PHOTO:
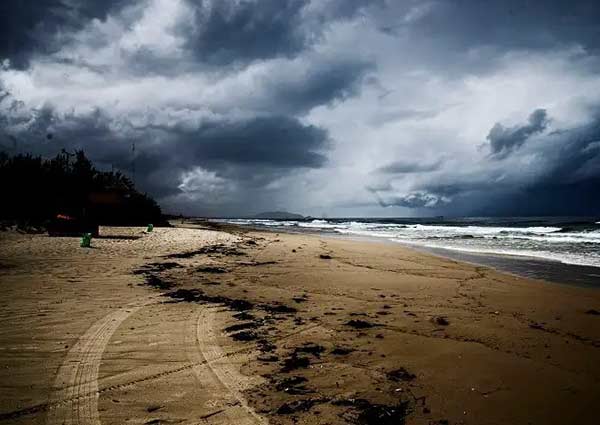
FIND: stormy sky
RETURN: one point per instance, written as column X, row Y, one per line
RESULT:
column 335, row 107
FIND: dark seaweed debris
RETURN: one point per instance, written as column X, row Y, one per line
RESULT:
column 196, row 295
column 156, row 282
column 299, row 405
column 244, row 315
column 442, row 321
column 278, row 308
column 593, row 312
column 211, row 249
column 401, row 375
column 293, row 385
column 325, row 257
column 242, row 327
column 380, row 414
column 341, row 351
column 266, row 346
column 310, row 348
column 244, row 336
column 360, row 324
column 366, row 413
column 300, row 299
column 211, row 269
column 295, row 362
column 157, row 267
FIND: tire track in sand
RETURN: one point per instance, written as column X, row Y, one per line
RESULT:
column 215, row 367
column 75, row 395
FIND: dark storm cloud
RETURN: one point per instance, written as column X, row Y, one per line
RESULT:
column 226, row 32
column 28, row 26
column 321, row 84
column 278, row 142
column 403, row 167
column 250, row 152
column 510, row 24
column 564, row 179
column 505, row 140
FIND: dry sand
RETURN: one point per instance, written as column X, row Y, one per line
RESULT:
column 249, row 327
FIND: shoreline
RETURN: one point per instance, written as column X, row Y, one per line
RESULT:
column 548, row 270
column 236, row 326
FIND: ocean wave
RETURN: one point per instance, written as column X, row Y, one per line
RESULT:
column 565, row 258
column 572, row 243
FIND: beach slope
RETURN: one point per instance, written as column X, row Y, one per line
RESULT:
column 204, row 325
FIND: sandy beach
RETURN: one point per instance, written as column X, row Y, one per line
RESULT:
column 202, row 325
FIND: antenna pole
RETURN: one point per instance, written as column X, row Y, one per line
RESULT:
column 133, row 162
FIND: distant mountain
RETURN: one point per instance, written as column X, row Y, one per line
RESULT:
column 279, row 215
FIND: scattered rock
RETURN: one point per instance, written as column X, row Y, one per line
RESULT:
column 593, row 312
column 325, row 257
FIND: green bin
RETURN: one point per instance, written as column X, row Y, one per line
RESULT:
column 150, row 228
column 86, row 240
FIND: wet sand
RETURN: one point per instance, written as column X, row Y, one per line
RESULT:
column 193, row 325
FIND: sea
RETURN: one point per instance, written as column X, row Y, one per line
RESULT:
column 561, row 249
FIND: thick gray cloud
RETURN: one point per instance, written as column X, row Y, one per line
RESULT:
column 504, row 140
column 344, row 107
column 559, row 174
column 510, row 24
column 248, row 152
column 227, row 32
column 28, row 26
column 403, row 167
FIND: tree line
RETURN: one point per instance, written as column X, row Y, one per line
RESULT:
column 36, row 190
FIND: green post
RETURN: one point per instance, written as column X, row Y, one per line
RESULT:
column 86, row 240
column 150, row 228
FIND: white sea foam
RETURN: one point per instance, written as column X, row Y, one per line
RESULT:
column 565, row 258
column 543, row 242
